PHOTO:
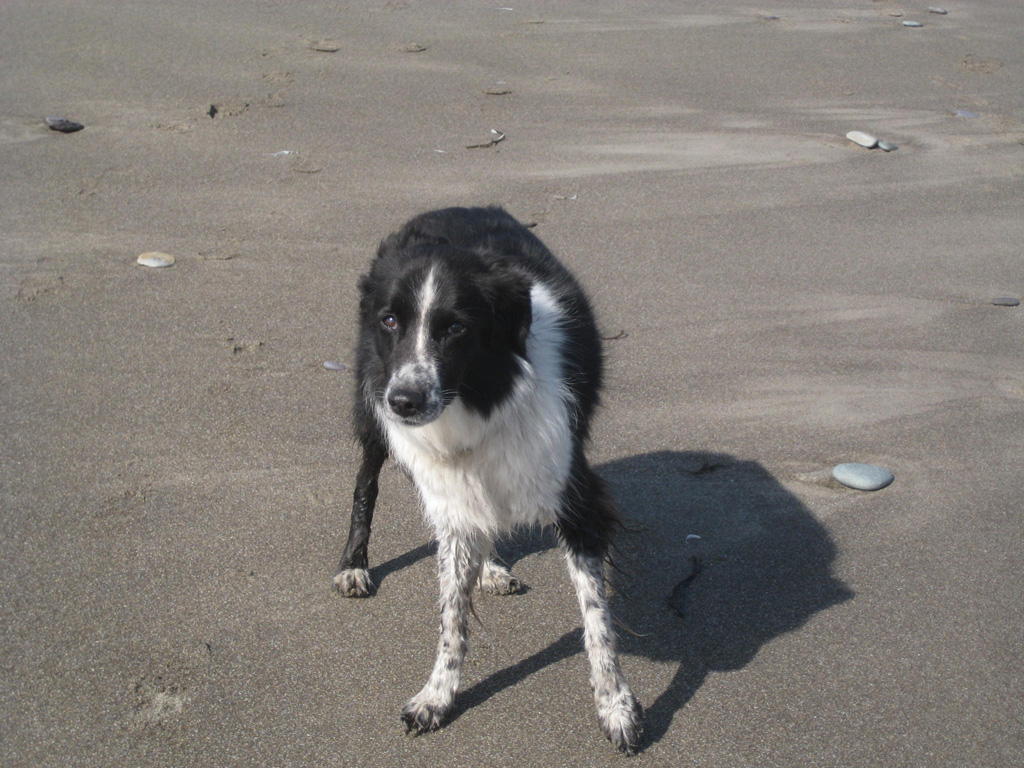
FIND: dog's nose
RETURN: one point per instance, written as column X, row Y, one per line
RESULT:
column 407, row 402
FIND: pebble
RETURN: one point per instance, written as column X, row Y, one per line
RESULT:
column 692, row 538
column 325, row 46
column 966, row 113
column 1006, row 301
column 912, row 24
column 332, row 366
column 155, row 259
column 63, row 125
column 863, row 477
column 887, row 146
column 940, row 11
column 864, row 139
column 496, row 136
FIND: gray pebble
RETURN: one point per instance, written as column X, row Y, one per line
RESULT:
column 887, row 146
column 1006, row 301
column 863, row 477
column 692, row 538
column 966, row 113
column 331, row 366
column 940, row 11
column 912, row 24
column 63, row 125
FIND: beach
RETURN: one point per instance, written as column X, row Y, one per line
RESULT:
column 177, row 466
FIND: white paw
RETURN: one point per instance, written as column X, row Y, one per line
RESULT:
column 622, row 720
column 426, row 711
column 354, row 582
column 498, row 580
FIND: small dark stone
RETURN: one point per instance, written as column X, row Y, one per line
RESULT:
column 63, row 125
column 1006, row 301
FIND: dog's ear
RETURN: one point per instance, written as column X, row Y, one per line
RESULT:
column 366, row 296
column 508, row 293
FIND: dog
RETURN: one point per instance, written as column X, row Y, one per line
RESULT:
column 479, row 368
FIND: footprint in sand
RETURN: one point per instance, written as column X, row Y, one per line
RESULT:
column 980, row 66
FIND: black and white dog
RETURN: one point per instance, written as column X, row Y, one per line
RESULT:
column 479, row 366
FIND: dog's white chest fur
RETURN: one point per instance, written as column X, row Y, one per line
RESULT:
column 485, row 475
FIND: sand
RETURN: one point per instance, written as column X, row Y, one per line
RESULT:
column 175, row 466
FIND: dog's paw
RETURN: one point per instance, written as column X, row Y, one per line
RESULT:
column 622, row 720
column 423, row 714
column 497, row 580
column 354, row 582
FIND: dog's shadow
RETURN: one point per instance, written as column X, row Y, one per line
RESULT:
column 717, row 558
column 762, row 566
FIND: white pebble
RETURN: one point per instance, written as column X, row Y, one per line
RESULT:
column 887, row 146
column 863, row 477
column 912, row 24
column 332, row 366
column 864, row 139
column 155, row 259
column 692, row 538
column 940, row 11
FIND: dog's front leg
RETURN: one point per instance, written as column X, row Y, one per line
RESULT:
column 353, row 578
column 618, row 712
column 458, row 562
column 585, row 529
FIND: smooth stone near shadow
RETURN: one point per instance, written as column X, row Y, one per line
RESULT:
column 887, row 146
column 1006, row 301
column 912, row 24
column 862, row 477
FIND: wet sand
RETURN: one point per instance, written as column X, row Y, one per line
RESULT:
column 175, row 466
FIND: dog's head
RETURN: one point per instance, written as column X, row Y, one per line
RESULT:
column 442, row 323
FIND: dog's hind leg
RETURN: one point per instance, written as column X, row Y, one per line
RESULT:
column 458, row 563
column 585, row 529
column 353, row 576
column 496, row 578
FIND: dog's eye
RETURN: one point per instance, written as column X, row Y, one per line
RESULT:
column 455, row 328
column 390, row 322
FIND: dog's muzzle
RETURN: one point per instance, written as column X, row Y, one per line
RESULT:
column 414, row 398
